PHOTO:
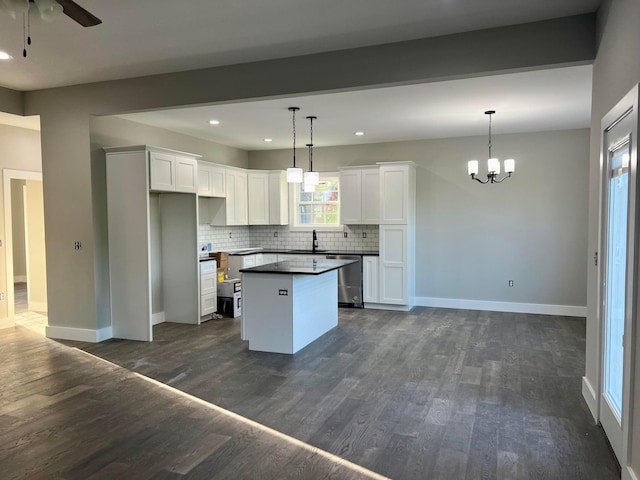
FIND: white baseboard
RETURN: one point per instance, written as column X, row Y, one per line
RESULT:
column 589, row 395
column 19, row 279
column 629, row 474
column 537, row 308
column 157, row 318
column 7, row 323
column 386, row 306
column 37, row 306
column 79, row 334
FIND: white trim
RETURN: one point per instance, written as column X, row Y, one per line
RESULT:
column 386, row 306
column 38, row 306
column 19, row 279
column 7, row 323
column 537, row 308
column 157, row 318
column 79, row 334
column 7, row 175
column 589, row 395
column 628, row 474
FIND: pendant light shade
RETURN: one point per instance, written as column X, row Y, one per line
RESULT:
column 294, row 174
column 311, row 178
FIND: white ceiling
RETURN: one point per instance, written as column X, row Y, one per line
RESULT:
column 543, row 100
column 157, row 36
column 144, row 37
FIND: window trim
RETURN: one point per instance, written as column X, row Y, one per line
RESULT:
column 293, row 208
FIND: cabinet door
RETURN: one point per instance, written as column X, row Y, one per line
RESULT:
column 186, row 174
column 370, row 279
column 162, row 172
column 258, row 197
column 393, row 265
column 208, row 303
column 217, row 181
column 208, row 283
column 371, row 196
column 230, row 204
column 351, row 197
column 239, row 214
column 204, row 180
column 394, row 194
column 278, row 199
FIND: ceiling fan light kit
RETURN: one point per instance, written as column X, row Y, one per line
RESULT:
column 48, row 10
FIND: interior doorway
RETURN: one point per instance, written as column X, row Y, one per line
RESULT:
column 25, row 246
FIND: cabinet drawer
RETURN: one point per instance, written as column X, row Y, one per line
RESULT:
column 208, row 303
column 208, row 283
column 208, row 267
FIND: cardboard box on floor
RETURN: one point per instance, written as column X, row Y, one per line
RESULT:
column 222, row 259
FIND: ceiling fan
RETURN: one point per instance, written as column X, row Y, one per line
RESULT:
column 47, row 10
column 50, row 9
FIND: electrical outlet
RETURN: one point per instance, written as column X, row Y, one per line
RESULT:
column 77, row 245
column 283, row 292
column 364, row 234
column 275, row 234
column 230, row 234
column 345, row 234
column 511, row 283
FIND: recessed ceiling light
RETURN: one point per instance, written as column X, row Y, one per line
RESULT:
column 268, row 139
column 359, row 134
column 5, row 56
column 214, row 122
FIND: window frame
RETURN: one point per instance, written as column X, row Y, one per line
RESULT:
column 294, row 203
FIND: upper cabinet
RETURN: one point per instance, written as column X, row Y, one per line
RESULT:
column 236, row 204
column 268, row 198
column 360, row 196
column 397, row 193
column 211, row 180
column 172, row 171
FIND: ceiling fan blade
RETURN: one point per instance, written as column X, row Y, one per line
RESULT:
column 74, row 11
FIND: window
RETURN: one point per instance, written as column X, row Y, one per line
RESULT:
column 319, row 209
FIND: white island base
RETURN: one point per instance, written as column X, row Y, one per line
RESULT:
column 283, row 313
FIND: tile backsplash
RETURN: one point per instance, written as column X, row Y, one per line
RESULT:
column 359, row 238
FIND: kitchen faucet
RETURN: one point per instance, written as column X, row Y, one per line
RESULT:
column 315, row 242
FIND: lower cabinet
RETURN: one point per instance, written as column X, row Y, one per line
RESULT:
column 370, row 279
column 208, row 287
column 394, row 271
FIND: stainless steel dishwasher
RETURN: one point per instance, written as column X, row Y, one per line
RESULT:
column 349, row 281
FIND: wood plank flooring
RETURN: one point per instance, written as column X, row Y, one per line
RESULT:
column 429, row 394
column 68, row 415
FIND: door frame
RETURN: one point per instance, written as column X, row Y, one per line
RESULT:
column 7, row 176
column 628, row 103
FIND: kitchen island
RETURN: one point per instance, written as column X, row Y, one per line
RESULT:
column 288, row 305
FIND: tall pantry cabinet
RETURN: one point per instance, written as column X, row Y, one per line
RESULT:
column 397, row 233
column 152, row 214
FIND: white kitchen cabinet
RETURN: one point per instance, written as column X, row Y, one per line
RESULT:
column 258, row 197
column 172, row 172
column 370, row 279
column 393, row 264
column 268, row 198
column 211, row 180
column 397, row 180
column 208, row 287
column 231, row 210
column 360, row 196
column 278, row 198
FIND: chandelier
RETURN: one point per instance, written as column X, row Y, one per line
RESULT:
column 493, row 164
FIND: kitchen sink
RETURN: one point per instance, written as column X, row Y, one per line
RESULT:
column 307, row 251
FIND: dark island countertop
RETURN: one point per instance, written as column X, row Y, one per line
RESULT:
column 305, row 266
column 253, row 251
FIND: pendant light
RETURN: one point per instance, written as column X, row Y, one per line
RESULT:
column 294, row 174
column 493, row 164
column 311, row 178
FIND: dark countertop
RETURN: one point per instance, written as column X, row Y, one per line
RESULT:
column 306, row 252
column 305, row 266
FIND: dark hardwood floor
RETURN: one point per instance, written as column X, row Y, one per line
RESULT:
column 429, row 394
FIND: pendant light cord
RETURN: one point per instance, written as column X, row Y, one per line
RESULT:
column 311, row 144
column 490, row 136
column 293, row 109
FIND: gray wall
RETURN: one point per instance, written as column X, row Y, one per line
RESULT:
column 615, row 71
column 472, row 238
